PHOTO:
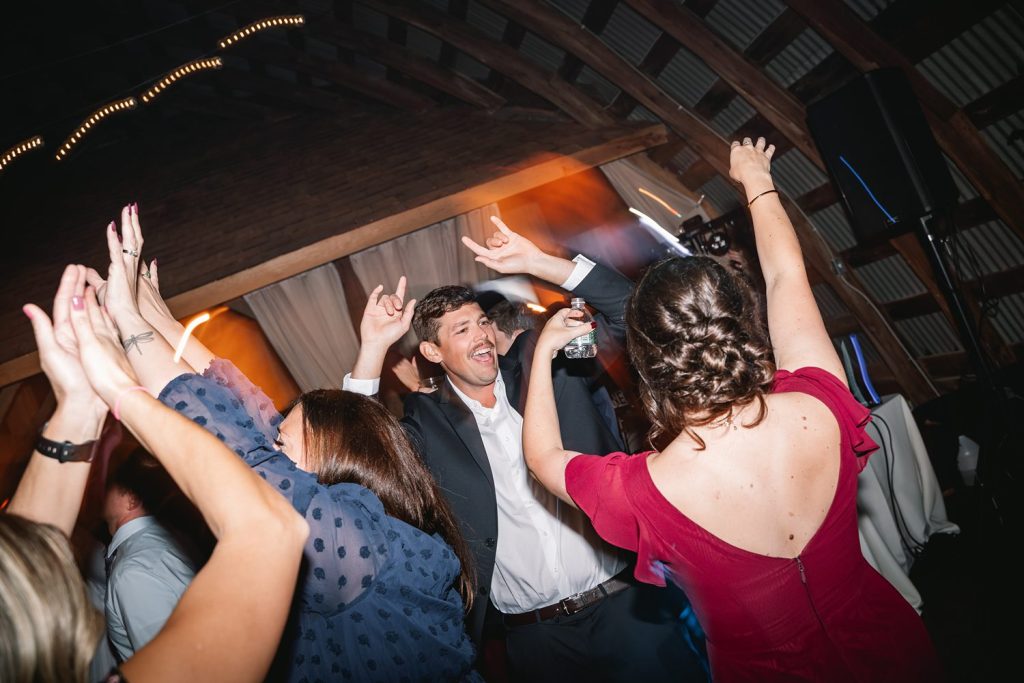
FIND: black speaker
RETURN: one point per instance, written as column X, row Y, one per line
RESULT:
column 881, row 155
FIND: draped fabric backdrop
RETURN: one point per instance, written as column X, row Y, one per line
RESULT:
column 307, row 321
column 306, row 317
column 429, row 258
column 627, row 178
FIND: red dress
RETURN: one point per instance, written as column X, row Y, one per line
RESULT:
column 825, row 615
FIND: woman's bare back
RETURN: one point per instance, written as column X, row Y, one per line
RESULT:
column 764, row 489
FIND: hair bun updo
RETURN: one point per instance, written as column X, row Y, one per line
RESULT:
column 693, row 337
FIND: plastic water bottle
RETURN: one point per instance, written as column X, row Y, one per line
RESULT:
column 585, row 346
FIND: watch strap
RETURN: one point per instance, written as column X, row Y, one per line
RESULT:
column 65, row 451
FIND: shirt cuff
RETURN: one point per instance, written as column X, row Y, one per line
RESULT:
column 366, row 387
column 579, row 272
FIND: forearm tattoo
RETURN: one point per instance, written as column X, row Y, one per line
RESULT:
column 137, row 340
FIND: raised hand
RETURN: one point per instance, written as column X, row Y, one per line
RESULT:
column 122, row 277
column 99, row 350
column 750, row 163
column 58, row 345
column 407, row 373
column 561, row 329
column 387, row 317
column 151, row 302
column 506, row 251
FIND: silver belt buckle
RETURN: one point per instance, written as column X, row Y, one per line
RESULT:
column 573, row 604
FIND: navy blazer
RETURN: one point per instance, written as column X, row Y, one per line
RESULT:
column 445, row 433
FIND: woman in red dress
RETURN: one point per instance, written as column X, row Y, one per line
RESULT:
column 751, row 507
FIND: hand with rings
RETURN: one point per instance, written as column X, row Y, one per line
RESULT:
column 122, row 285
column 750, row 164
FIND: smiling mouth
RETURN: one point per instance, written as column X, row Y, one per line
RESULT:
column 483, row 353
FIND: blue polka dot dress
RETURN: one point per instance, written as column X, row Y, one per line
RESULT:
column 376, row 599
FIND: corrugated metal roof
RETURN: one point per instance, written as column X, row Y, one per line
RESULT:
column 1009, row 318
column 606, row 90
column 542, row 52
column 733, row 116
column 422, row 43
column 829, row 303
column 795, row 173
column 889, row 279
column 990, row 248
column 721, row 194
column 832, row 223
column 928, row 335
column 740, row 21
column 798, row 57
column 687, row 77
column 868, row 9
column 685, row 158
column 470, row 67
column 641, row 113
column 574, row 8
column 486, row 20
column 629, row 34
column 999, row 136
column 981, row 58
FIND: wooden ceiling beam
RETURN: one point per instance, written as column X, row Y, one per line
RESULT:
column 953, row 130
column 653, row 63
column 499, row 57
column 512, row 36
column 997, row 104
column 778, row 106
column 292, row 94
column 817, row 199
column 339, row 73
column 562, row 31
column 775, row 37
column 601, row 147
column 401, row 59
column 594, row 19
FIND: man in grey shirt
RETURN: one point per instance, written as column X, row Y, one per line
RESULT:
column 147, row 568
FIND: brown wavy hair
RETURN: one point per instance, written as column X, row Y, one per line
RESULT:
column 351, row 438
column 48, row 627
column 693, row 336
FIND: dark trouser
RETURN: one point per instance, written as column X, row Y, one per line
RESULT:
column 634, row 635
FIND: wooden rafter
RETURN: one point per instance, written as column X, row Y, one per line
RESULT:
column 497, row 56
column 333, row 71
column 778, row 106
column 997, row 104
column 953, row 129
column 396, row 57
column 594, row 19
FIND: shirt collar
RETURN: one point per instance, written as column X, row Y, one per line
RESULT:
column 474, row 405
column 128, row 530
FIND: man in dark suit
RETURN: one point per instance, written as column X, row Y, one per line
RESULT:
column 570, row 610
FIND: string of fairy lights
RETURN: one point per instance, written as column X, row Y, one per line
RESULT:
column 129, row 103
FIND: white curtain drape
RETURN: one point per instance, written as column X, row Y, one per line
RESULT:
column 429, row 258
column 627, row 179
column 307, row 321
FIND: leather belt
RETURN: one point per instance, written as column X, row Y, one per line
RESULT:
column 568, row 606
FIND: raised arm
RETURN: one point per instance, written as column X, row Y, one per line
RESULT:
column 251, row 575
column 797, row 331
column 386, row 319
column 510, row 253
column 50, row 491
column 542, row 439
column 149, row 352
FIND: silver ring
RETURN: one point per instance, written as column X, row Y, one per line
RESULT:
column 130, row 252
column 147, row 275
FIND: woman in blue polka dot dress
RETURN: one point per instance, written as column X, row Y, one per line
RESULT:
column 383, row 580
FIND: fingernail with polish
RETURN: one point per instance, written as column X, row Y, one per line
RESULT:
column 593, row 326
column 77, row 303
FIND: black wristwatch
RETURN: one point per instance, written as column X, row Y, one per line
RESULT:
column 65, row 451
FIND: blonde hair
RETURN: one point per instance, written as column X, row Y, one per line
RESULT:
column 48, row 627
